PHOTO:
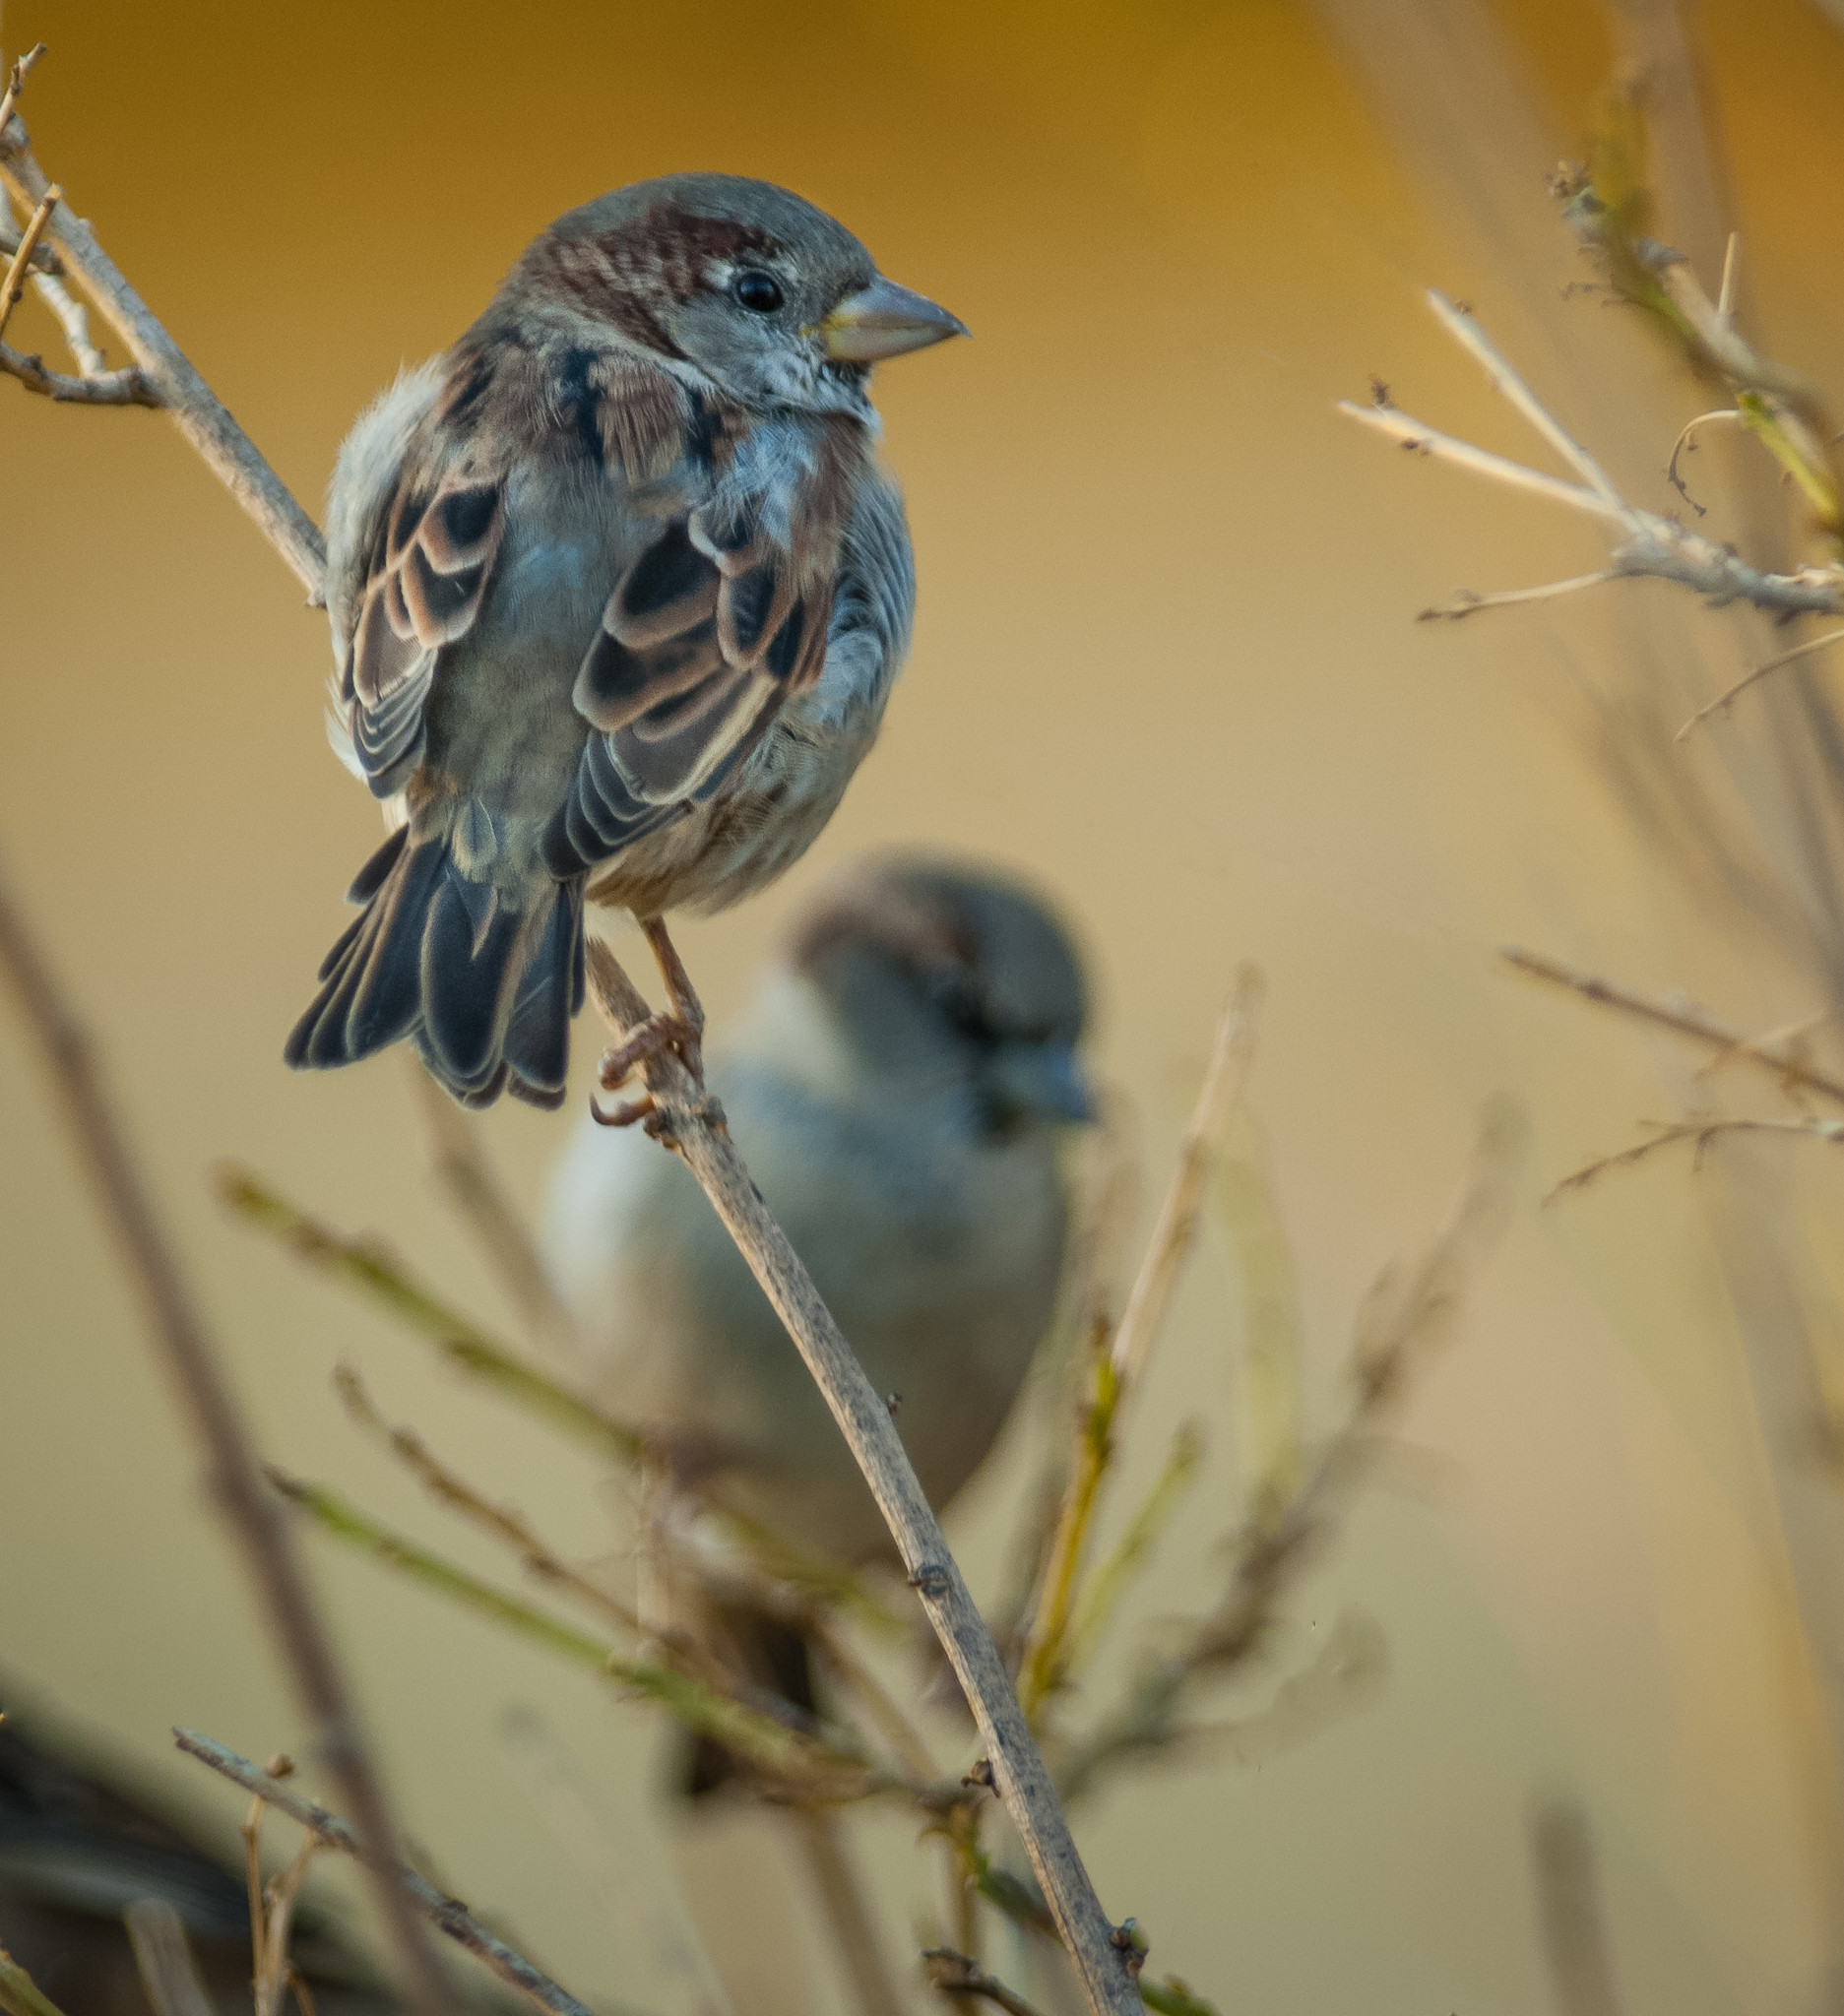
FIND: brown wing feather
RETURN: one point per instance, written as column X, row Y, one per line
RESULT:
column 427, row 579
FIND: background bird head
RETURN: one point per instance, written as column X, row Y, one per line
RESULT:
column 733, row 281
column 932, row 970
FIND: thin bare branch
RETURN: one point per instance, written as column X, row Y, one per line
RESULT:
column 164, row 1958
column 1466, row 332
column 1421, row 439
column 449, row 1916
column 1702, row 1133
column 1683, row 442
column 690, row 1121
column 14, row 285
column 1654, row 546
column 127, row 387
column 1682, row 1018
column 1722, row 701
column 965, row 1980
column 1224, row 1078
column 232, row 1477
column 1725, row 298
column 16, row 83
column 170, row 374
column 1469, row 603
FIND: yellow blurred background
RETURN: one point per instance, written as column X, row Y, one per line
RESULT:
column 1165, row 664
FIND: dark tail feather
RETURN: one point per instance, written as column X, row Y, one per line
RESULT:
column 484, row 989
column 778, row 1663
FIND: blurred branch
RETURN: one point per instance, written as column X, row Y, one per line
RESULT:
column 1682, row 1018
column 802, row 1761
column 690, row 1121
column 1118, row 1363
column 232, row 1477
column 1407, row 1315
column 20, row 1995
column 1175, row 1997
column 462, row 1169
column 446, row 1913
column 368, row 1266
column 1702, row 1132
column 965, row 1980
column 165, row 376
column 1653, row 545
column 1569, row 1904
column 164, row 1958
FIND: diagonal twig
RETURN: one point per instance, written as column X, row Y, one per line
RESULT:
column 447, row 1914
column 1684, row 1018
column 232, row 1477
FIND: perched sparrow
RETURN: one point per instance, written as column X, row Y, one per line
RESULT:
column 897, row 1088
column 618, row 588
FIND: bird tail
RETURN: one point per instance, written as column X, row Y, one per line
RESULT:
column 483, row 978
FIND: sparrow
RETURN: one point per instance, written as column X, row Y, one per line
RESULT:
column 901, row 1088
column 618, row 586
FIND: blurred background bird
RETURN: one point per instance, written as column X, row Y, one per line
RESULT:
column 900, row 1088
column 617, row 588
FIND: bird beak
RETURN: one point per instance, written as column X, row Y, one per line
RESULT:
column 883, row 320
column 1042, row 1078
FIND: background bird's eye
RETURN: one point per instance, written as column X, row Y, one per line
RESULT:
column 758, row 291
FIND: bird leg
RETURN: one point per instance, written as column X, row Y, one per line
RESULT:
column 677, row 1027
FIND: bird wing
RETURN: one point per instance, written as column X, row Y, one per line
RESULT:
column 431, row 559
column 713, row 627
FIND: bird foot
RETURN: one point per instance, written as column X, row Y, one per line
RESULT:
column 678, row 1027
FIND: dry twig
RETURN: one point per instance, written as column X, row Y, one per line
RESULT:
column 1651, row 544
column 1682, row 1018
column 232, row 1477
column 449, row 1916
column 1702, row 1133
column 965, row 1980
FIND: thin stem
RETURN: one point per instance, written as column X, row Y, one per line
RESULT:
column 14, row 285
column 965, row 1980
column 232, row 1477
column 1681, row 1018
column 1467, row 333
column 1702, row 1133
column 446, row 1913
column 1421, row 439
column 692, row 1123
column 1773, row 664
column 1469, row 604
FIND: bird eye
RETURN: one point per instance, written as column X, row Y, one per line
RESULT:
column 758, row 291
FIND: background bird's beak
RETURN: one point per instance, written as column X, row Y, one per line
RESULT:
column 1047, row 1078
column 883, row 320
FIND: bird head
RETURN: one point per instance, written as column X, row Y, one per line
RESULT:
column 733, row 281
column 932, row 967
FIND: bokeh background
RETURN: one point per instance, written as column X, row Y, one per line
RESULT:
column 1165, row 664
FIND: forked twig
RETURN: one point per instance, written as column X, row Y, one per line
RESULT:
column 1653, row 545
